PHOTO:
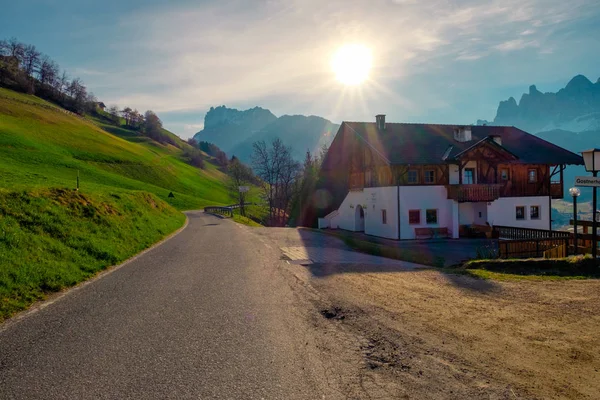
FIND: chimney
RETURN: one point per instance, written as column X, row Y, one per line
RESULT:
column 380, row 119
column 497, row 139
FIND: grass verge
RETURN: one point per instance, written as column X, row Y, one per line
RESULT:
column 574, row 267
column 51, row 239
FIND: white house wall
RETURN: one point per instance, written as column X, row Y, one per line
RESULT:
column 503, row 212
column 373, row 201
column 346, row 212
column 378, row 199
column 450, row 213
column 423, row 198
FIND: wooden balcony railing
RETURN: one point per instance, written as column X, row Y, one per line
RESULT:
column 479, row 192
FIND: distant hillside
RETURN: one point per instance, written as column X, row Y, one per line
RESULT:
column 235, row 131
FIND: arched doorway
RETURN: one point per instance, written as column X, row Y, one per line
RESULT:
column 359, row 219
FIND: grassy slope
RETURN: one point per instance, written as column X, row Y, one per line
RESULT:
column 51, row 239
column 41, row 148
column 51, row 236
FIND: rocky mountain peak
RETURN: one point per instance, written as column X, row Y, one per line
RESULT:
column 533, row 90
column 579, row 83
column 577, row 104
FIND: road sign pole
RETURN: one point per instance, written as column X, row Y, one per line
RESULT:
column 594, row 223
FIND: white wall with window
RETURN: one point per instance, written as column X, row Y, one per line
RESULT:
column 381, row 213
column 522, row 212
column 417, row 203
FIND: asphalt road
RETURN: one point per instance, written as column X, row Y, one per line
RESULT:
column 205, row 315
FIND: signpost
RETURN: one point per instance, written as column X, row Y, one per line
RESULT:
column 587, row 181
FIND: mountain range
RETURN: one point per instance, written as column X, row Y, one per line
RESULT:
column 235, row 131
column 574, row 108
column 569, row 118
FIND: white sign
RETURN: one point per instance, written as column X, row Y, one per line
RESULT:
column 587, row 181
column 597, row 216
column 244, row 189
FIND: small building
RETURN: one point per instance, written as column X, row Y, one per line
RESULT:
column 101, row 105
column 394, row 179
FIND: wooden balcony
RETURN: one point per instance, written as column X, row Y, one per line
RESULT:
column 474, row 193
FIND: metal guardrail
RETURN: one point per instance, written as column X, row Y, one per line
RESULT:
column 226, row 211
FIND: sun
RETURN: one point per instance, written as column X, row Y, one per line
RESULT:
column 351, row 64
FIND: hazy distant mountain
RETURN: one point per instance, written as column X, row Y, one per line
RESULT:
column 226, row 127
column 574, row 108
column 569, row 118
column 235, row 131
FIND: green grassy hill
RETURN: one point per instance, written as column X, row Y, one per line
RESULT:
column 51, row 236
column 41, row 146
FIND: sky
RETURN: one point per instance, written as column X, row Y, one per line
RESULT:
column 438, row 61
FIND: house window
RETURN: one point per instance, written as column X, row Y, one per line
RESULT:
column 431, row 216
column 534, row 212
column 504, row 174
column 520, row 212
column 429, row 176
column 532, row 175
column 413, row 176
column 414, row 217
column 384, row 217
column 469, row 176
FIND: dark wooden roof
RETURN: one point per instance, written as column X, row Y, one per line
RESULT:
column 403, row 143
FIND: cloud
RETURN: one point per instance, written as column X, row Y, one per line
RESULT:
column 516, row 44
column 83, row 72
column 191, row 56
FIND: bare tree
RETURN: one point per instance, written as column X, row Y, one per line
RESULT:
column 239, row 175
column 48, row 72
column 4, row 48
column 31, row 59
column 63, row 82
column 114, row 112
column 126, row 113
column 136, row 119
column 78, row 93
column 278, row 172
column 16, row 49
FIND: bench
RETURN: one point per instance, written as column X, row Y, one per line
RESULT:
column 430, row 233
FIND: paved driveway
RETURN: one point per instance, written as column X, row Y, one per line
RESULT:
column 331, row 255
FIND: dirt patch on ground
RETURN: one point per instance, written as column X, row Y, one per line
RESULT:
column 428, row 334
column 425, row 334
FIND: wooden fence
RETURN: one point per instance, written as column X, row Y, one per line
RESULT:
column 532, row 248
column 514, row 233
column 556, row 252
